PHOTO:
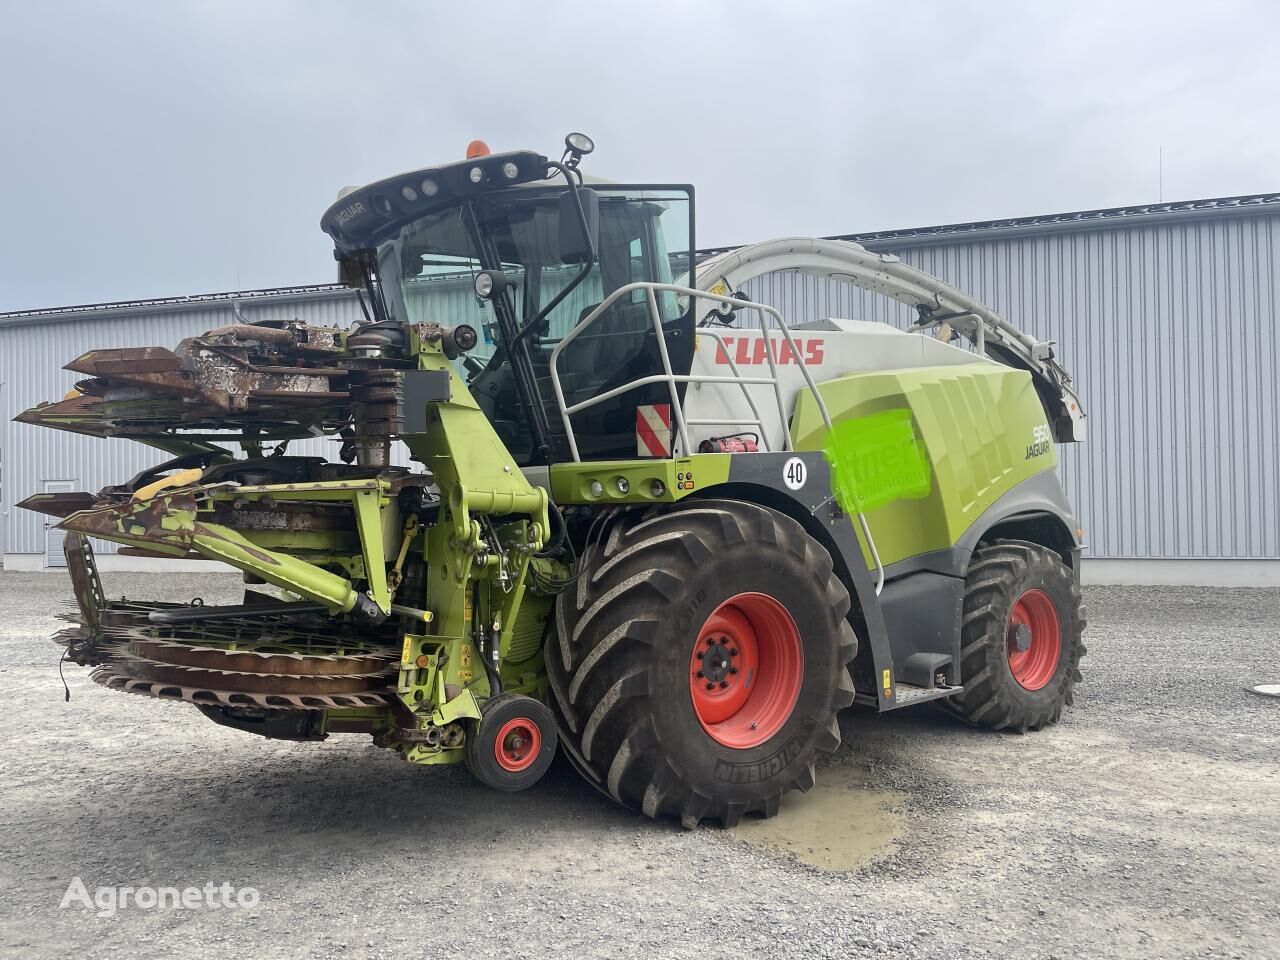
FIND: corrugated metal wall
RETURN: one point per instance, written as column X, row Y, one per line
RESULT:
column 1170, row 330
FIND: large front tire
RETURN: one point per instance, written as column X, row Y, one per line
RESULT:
column 698, row 663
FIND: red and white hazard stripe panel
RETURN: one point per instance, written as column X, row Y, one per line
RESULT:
column 653, row 430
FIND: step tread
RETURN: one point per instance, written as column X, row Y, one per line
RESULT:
column 907, row 694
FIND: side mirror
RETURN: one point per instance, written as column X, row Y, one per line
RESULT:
column 410, row 262
column 575, row 246
column 350, row 273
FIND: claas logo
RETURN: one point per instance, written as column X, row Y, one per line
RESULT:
column 748, row 351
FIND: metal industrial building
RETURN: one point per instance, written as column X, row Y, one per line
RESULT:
column 1166, row 315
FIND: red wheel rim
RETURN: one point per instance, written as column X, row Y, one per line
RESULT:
column 518, row 744
column 745, row 670
column 1034, row 640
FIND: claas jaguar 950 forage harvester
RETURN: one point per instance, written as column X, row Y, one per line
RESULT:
column 584, row 495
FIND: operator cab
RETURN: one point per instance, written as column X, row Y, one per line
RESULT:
column 523, row 249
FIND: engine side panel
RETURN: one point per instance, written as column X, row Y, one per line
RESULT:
column 981, row 429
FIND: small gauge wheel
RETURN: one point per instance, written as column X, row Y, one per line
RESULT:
column 513, row 743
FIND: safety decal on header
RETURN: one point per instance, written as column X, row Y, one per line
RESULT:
column 653, row 430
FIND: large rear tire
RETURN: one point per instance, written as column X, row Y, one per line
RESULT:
column 1022, row 638
column 698, row 663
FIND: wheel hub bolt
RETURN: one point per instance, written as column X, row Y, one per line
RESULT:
column 701, row 654
column 700, row 673
column 733, row 652
column 710, row 685
column 733, row 669
column 1022, row 637
column 724, row 684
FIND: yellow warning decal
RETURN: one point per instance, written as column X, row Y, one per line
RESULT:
column 720, row 288
column 407, row 650
column 464, row 663
column 466, row 605
column 888, row 684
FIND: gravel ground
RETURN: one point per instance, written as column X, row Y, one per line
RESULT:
column 1144, row 825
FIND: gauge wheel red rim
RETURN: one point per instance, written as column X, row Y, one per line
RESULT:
column 745, row 670
column 1034, row 640
column 518, row 744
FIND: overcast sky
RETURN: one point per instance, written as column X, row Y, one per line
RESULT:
column 164, row 148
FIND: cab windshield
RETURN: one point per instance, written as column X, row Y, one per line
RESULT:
column 426, row 273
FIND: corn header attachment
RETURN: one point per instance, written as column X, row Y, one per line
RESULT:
column 354, row 626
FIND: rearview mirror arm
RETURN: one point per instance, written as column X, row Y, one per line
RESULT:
column 573, row 177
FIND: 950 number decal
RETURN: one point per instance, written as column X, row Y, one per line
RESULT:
column 1040, row 442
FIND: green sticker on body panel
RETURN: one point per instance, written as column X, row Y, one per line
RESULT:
column 876, row 460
